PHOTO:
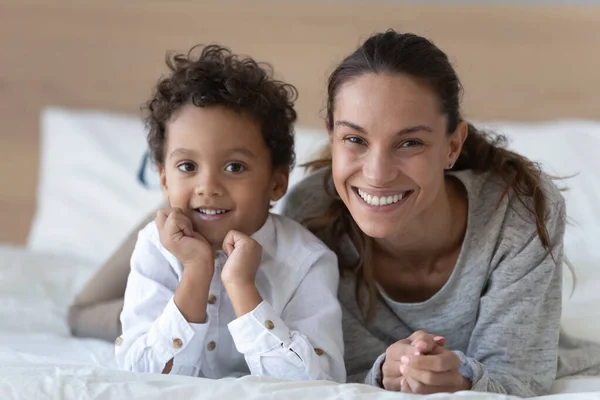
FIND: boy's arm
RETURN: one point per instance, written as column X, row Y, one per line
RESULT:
column 154, row 329
column 306, row 342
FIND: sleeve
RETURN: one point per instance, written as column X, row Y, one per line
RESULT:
column 154, row 330
column 514, row 345
column 306, row 342
column 375, row 376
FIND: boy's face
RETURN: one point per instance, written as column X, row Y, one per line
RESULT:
column 217, row 169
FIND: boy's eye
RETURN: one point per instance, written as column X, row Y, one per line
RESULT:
column 235, row 168
column 187, row 167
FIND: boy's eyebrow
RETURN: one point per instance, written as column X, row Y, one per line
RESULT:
column 181, row 151
column 243, row 151
column 186, row 152
column 411, row 129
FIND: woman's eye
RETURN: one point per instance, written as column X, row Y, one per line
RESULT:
column 410, row 143
column 235, row 168
column 354, row 140
column 186, row 167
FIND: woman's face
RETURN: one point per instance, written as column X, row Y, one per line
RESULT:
column 390, row 148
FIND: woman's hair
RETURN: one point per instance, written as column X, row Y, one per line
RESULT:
column 218, row 77
column 405, row 53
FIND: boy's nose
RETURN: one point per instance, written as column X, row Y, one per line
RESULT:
column 209, row 185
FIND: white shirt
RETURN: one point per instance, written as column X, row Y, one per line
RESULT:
column 295, row 333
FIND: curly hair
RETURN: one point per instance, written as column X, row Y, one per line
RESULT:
column 219, row 77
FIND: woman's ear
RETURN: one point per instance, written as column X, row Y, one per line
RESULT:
column 279, row 183
column 456, row 141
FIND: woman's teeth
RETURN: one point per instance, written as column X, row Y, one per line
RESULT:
column 379, row 201
column 211, row 212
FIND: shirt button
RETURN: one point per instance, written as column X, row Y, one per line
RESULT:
column 211, row 346
column 269, row 324
column 319, row 351
column 177, row 343
column 212, row 299
column 119, row 341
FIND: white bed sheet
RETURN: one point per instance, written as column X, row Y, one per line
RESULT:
column 39, row 360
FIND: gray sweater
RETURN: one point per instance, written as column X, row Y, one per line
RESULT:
column 499, row 310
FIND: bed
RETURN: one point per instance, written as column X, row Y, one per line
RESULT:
column 72, row 76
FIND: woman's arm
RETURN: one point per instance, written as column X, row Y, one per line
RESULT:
column 96, row 309
column 513, row 347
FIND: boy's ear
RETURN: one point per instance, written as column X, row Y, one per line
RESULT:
column 163, row 183
column 280, row 181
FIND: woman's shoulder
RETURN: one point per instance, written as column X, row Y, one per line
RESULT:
column 309, row 197
column 506, row 217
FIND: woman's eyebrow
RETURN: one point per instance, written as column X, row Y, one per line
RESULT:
column 404, row 131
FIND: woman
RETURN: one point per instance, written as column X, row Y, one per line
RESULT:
column 450, row 246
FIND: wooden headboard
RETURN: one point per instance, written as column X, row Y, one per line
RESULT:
column 516, row 62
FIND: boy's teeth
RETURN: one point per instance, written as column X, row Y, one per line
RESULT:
column 212, row 212
column 380, row 201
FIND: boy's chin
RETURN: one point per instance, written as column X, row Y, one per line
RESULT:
column 215, row 241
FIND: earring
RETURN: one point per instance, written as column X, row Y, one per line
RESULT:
column 450, row 166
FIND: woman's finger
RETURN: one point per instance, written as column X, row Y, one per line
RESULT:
column 444, row 361
column 430, row 378
column 399, row 349
column 423, row 342
column 412, row 385
column 392, row 384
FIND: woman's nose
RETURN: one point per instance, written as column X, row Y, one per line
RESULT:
column 378, row 169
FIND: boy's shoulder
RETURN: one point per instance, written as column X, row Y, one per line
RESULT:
column 149, row 246
column 294, row 245
column 149, row 233
column 290, row 252
column 290, row 234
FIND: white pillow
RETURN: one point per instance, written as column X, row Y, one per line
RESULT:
column 567, row 148
column 90, row 195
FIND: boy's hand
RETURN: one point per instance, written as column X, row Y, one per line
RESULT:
column 239, row 272
column 178, row 236
column 243, row 259
column 195, row 253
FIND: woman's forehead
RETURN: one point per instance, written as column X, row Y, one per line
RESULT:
column 385, row 98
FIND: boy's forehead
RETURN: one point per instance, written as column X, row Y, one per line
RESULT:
column 215, row 116
column 214, row 128
column 207, row 145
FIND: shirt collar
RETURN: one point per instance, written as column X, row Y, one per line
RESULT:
column 264, row 236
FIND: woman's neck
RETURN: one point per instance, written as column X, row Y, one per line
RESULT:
column 437, row 232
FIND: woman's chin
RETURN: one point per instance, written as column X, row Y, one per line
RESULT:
column 377, row 229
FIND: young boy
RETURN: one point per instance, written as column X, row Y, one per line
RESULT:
column 219, row 286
